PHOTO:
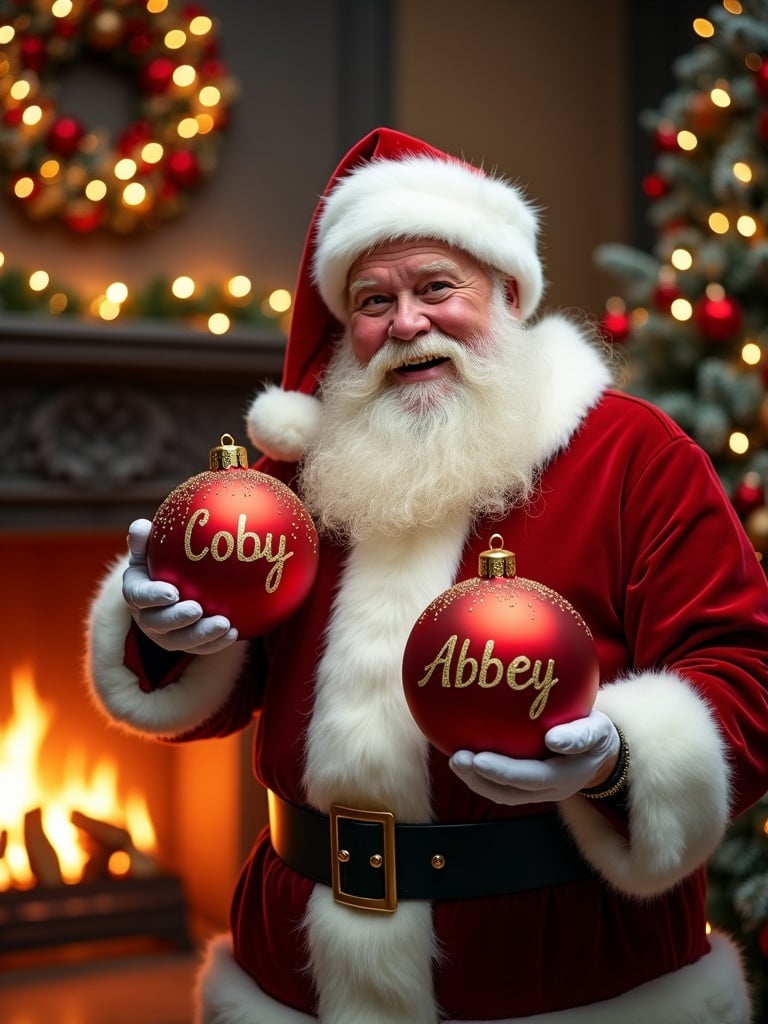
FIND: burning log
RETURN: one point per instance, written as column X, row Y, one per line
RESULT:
column 102, row 840
column 3, row 841
column 43, row 860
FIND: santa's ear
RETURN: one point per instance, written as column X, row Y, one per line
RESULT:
column 512, row 293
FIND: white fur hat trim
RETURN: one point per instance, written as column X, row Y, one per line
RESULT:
column 424, row 197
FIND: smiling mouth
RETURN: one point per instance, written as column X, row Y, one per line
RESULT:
column 424, row 364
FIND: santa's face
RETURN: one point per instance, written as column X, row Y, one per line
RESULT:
column 402, row 291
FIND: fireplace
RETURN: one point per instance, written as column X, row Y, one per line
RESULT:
column 99, row 423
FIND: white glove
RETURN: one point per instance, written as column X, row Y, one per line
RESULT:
column 582, row 747
column 172, row 624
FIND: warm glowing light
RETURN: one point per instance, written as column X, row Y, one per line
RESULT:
column 117, row 292
column 738, row 443
column 39, row 280
column 125, row 168
column 239, row 286
column 119, row 863
column 742, row 172
column 218, row 323
column 205, row 123
column 209, row 96
column 156, row 6
column 188, row 128
column 715, row 292
column 703, row 27
column 134, row 194
column 108, row 310
column 733, row 6
column 718, row 223
column 183, row 287
column 751, row 353
column 58, row 302
column 638, row 317
column 687, row 140
column 175, row 39
column 61, row 8
column 49, row 168
column 20, row 89
column 25, row 788
column 152, row 153
column 2, row 259
column 720, row 97
column 184, row 75
column 200, row 25
column 746, row 225
column 681, row 259
column 681, row 310
column 7, row 32
column 280, row 300
column 24, row 187
column 753, row 61
column 32, row 115
column 95, row 190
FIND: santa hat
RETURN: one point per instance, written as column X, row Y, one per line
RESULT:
column 389, row 186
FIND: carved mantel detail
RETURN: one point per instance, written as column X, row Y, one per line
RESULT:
column 99, row 423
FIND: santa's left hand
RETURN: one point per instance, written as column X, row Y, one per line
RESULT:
column 586, row 753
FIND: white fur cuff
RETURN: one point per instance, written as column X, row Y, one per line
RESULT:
column 183, row 705
column 679, row 786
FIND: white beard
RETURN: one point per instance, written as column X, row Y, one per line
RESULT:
column 391, row 457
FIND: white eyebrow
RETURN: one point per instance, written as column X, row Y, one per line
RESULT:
column 436, row 265
column 360, row 284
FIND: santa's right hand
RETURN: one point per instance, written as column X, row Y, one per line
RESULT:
column 170, row 623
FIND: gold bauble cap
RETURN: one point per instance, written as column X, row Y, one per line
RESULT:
column 496, row 561
column 228, row 455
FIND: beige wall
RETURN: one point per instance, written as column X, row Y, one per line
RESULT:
column 537, row 91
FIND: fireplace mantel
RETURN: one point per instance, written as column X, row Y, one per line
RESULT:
column 99, row 422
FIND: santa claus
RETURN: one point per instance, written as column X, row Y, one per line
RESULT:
column 423, row 407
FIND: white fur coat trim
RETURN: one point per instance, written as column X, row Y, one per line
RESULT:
column 679, row 790
column 711, row 991
column 572, row 376
column 168, row 712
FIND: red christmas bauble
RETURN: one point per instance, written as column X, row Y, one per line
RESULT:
column 748, row 495
column 157, row 75
column 616, row 325
column 64, row 136
column 761, row 79
column 665, row 138
column 496, row 661
column 238, row 541
column 655, row 186
column 182, row 168
column 664, row 294
column 718, row 319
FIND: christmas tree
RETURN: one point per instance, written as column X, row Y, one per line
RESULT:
column 693, row 314
column 693, row 319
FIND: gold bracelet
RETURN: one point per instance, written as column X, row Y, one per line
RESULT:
column 618, row 778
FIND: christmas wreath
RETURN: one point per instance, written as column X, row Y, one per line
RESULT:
column 57, row 167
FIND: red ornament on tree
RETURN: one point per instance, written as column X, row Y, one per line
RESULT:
column 238, row 541
column 761, row 79
column 717, row 316
column 665, row 138
column 615, row 321
column 748, row 495
column 496, row 661
column 157, row 75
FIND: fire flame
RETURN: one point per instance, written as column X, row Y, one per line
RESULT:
column 22, row 789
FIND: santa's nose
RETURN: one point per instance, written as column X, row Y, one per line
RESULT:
column 409, row 321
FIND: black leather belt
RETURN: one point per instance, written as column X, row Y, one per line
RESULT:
column 370, row 862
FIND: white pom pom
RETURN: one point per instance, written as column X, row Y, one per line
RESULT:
column 282, row 423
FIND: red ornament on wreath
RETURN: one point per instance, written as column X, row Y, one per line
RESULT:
column 237, row 541
column 748, row 494
column 64, row 136
column 496, row 661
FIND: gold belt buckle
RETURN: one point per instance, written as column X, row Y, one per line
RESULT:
column 387, row 903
